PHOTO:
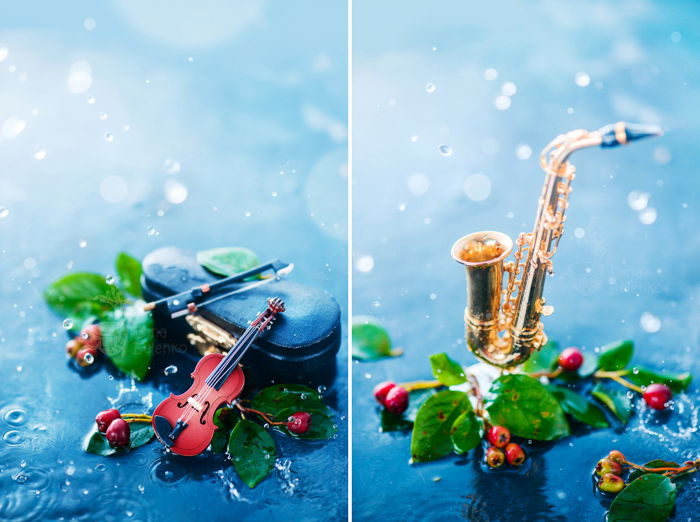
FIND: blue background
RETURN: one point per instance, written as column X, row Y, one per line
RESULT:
column 635, row 61
column 131, row 125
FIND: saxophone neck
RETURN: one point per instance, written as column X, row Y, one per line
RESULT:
column 558, row 151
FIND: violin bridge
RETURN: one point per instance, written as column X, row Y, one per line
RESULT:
column 195, row 404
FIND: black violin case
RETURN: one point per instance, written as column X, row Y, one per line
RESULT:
column 300, row 347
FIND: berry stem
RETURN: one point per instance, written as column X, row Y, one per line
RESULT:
column 616, row 376
column 689, row 467
column 264, row 415
column 421, row 385
column 549, row 375
column 136, row 417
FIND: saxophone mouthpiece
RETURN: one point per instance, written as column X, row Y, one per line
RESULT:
column 621, row 133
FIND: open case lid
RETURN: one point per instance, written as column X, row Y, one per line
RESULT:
column 310, row 322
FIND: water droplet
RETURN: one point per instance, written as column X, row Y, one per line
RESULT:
column 91, row 100
column 430, row 88
column 509, row 89
column 662, row 155
column 523, row 151
column 79, row 77
column 171, row 166
column 477, row 187
column 40, row 154
column 321, row 389
column 445, row 150
column 650, row 323
column 82, row 243
column 100, row 467
column 109, row 136
column 4, row 51
column 170, row 370
column 582, row 79
column 637, row 200
column 175, row 192
column 647, row 216
column 418, row 183
column 141, row 488
column 501, row 102
column 4, row 212
column 490, row 74
column 433, row 296
column 89, row 24
column 110, row 279
column 12, row 127
column 103, row 116
column 21, row 478
column 67, row 324
column 364, row 263
column 579, row 233
column 151, row 230
column 635, row 371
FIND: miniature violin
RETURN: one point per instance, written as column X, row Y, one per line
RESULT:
column 185, row 423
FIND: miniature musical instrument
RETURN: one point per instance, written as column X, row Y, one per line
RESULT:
column 185, row 423
column 503, row 324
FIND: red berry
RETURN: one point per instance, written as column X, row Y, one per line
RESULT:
column 515, row 454
column 381, row 389
column 105, row 418
column 299, row 422
column 657, row 396
column 571, row 359
column 73, row 346
column 396, row 400
column 617, row 456
column 118, row 433
column 91, row 336
column 498, row 436
column 611, row 483
column 605, row 466
column 495, row 458
column 86, row 356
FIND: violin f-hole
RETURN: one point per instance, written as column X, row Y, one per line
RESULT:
column 202, row 420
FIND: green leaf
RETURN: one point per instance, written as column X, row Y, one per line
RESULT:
column 446, row 370
column 81, row 295
column 543, row 360
column 579, row 408
column 225, row 419
column 649, row 498
column 95, row 442
column 524, row 406
column 590, row 364
column 431, row 438
column 322, row 425
column 644, row 377
column 616, row 401
column 129, row 272
column 616, row 356
column 228, row 261
column 466, row 432
column 370, row 340
column 679, row 480
column 252, row 452
column 127, row 338
column 278, row 397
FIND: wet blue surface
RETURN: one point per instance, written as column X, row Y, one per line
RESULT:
column 638, row 62
column 126, row 126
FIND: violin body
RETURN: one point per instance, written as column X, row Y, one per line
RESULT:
column 196, row 407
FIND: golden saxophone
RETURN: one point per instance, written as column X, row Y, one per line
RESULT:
column 503, row 324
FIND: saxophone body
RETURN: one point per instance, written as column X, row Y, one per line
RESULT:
column 505, row 300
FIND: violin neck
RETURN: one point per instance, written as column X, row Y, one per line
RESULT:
column 224, row 369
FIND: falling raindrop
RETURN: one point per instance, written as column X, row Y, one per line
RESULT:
column 445, row 150
column 4, row 212
column 582, row 79
column 67, row 324
column 151, row 230
column 650, row 323
column 523, row 151
column 364, row 264
column 490, row 74
column 170, row 370
column 637, row 200
column 430, row 88
column 109, row 137
column 647, row 216
column 82, row 243
column 502, row 102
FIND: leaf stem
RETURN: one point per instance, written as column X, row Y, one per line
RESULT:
column 617, row 377
column 264, row 415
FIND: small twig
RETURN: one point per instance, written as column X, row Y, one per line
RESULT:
column 421, row 385
column 264, row 415
column 616, row 376
column 549, row 375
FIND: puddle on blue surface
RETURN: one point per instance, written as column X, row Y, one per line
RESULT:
column 180, row 135
column 433, row 164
